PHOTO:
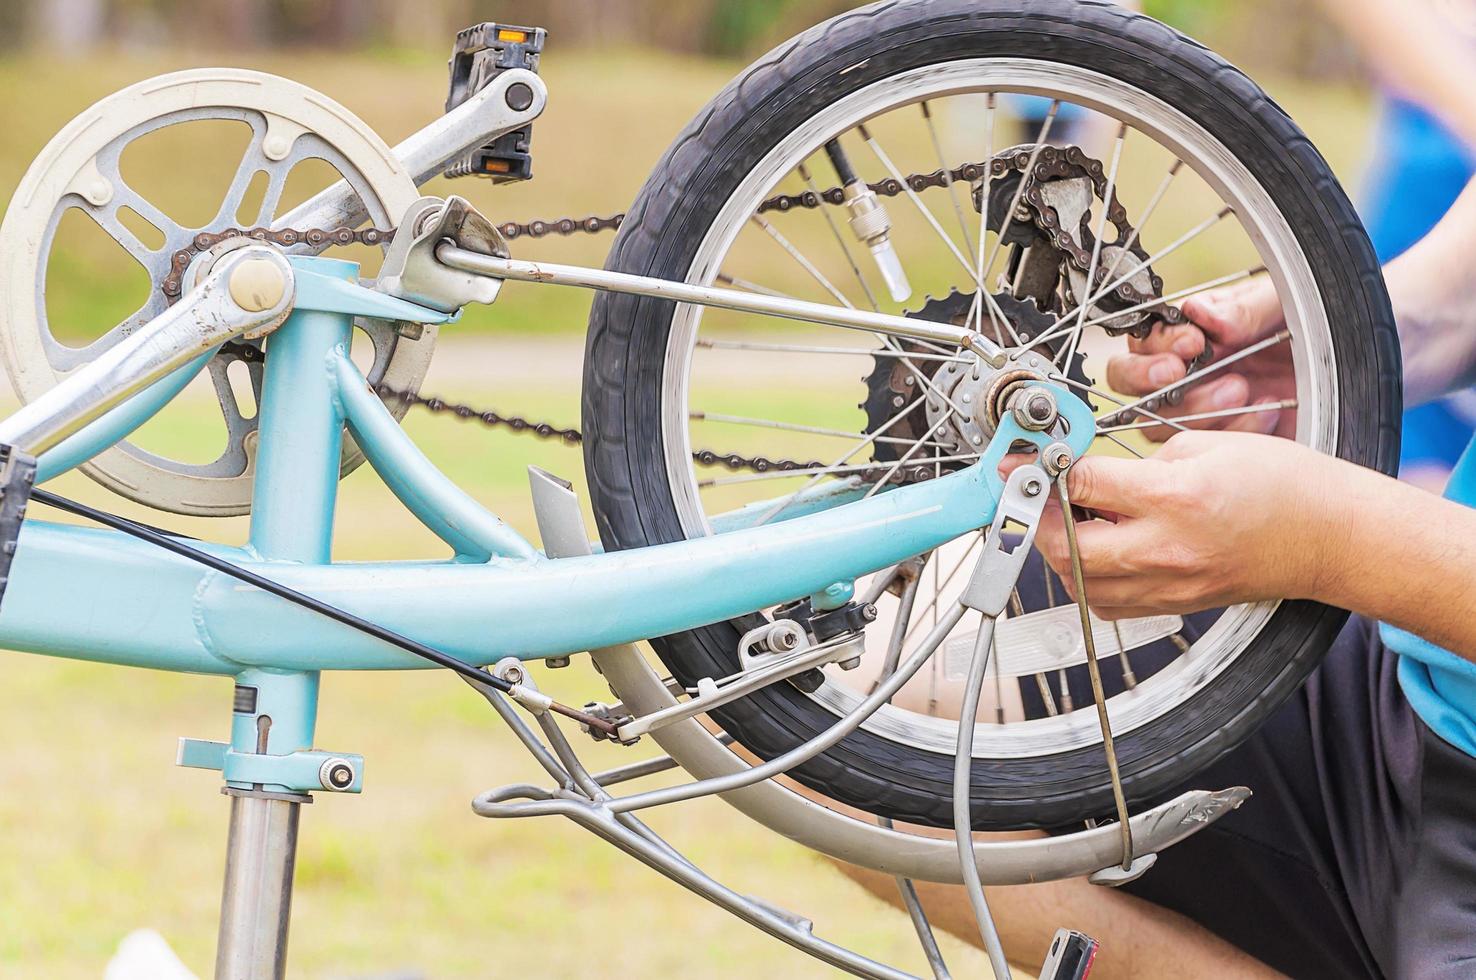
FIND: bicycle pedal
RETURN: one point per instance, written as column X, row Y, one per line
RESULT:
column 480, row 54
column 1070, row 957
column 17, row 477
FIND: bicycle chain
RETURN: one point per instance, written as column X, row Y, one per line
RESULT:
column 573, row 437
column 1050, row 163
column 173, row 284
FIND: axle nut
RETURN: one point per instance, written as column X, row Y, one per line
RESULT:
column 257, row 285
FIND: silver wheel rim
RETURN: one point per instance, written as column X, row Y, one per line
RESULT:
column 1311, row 347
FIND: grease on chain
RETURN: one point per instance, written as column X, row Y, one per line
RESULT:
column 573, row 437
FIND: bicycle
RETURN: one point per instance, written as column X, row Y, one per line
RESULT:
column 760, row 606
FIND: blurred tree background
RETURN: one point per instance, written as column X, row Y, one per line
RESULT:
column 1302, row 43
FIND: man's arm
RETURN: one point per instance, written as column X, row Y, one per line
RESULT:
column 1433, row 289
column 1418, row 51
column 1220, row 518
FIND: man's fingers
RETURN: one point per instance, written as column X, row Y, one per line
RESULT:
column 1107, row 548
column 1184, row 340
column 1237, row 315
column 1141, row 374
column 1111, row 483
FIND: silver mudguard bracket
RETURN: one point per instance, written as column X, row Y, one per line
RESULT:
column 1018, row 512
column 715, row 693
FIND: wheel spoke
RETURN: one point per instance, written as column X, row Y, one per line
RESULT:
column 963, row 225
column 1223, row 413
column 1129, row 679
column 800, row 258
column 1073, row 383
column 1148, row 210
column 976, row 314
column 1281, row 336
column 940, row 585
column 1004, row 229
column 906, row 456
column 1118, row 442
column 751, row 287
column 1055, row 330
column 917, row 201
column 815, row 472
column 816, row 349
column 796, row 427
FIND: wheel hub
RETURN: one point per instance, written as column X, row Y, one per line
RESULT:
column 956, row 404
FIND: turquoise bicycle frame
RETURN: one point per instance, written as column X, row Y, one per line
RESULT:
column 100, row 595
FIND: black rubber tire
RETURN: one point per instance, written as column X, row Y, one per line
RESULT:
column 627, row 339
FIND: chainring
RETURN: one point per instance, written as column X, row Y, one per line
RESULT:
column 79, row 170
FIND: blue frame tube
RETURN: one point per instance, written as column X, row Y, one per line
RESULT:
column 191, row 619
column 182, row 617
column 451, row 513
column 292, row 505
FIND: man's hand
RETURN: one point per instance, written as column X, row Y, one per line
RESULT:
column 1230, row 319
column 1212, row 519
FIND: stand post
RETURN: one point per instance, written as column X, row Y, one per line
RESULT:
column 255, row 908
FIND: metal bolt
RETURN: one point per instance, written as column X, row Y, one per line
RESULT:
column 519, row 96
column 510, row 669
column 851, row 664
column 554, row 663
column 1057, row 458
column 1031, row 487
column 336, row 774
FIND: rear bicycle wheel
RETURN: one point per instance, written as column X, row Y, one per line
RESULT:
column 1200, row 179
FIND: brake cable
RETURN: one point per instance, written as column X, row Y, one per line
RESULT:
column 523, row 695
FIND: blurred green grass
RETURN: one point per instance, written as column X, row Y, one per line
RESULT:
column 101, row 834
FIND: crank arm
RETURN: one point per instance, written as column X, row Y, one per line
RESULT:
column 729, row 299
column 250, row 291
column 480, row 119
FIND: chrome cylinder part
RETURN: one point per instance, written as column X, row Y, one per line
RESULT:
column 256, row 903
column 729, row 299
column 872, row 227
